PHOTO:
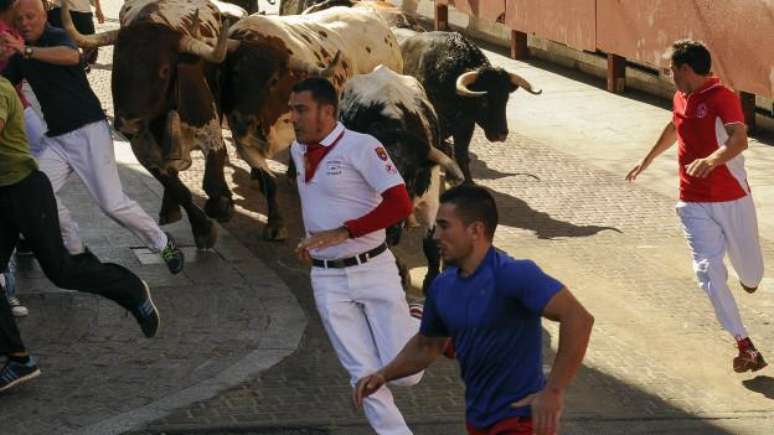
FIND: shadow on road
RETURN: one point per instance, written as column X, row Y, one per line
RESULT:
column 761, row 384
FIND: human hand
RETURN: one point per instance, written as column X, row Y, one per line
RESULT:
column 12, row 42
column 700, row 168
column 100, row 16
column 546, row 407
column 636, row 170
column 365, row 387
column 323, row 239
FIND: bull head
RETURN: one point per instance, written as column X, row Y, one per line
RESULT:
column 188, row 44
column 466, row 79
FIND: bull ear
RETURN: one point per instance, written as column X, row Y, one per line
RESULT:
column 195, row 102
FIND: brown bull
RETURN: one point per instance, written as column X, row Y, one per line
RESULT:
column 164, row 84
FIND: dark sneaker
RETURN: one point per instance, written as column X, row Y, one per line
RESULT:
column 147, row 314
column 14, row 373
column 749, row 359
column 17, row 308
column 172, row 255
column 748, row 289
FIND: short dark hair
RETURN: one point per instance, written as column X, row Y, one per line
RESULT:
column 473, row 203
column 693, row 53
column 321, row 89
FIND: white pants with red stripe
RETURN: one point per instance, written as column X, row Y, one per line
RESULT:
column 88, row 151
column 364, row 311
column 712, row 229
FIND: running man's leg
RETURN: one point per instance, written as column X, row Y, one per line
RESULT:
column 708, row 248
column 384, row 301
column 740, row 227
column 91, row 155
column 348, row 329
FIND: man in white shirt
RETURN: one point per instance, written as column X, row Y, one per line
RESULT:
column 350, row 192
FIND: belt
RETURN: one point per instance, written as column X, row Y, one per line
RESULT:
column 351, row 261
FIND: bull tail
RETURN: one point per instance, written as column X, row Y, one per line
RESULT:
column 450, row 167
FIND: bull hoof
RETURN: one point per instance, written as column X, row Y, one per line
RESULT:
column 221, row 208
column 275, row 233
column 170, row 216
column 207, row 239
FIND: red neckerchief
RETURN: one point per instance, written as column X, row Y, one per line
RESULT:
column 314, row 155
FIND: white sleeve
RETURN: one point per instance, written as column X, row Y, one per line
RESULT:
column 375, row 165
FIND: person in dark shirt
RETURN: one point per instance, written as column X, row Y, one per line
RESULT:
column 78, row 137
column 491, row 306
column 29, row 209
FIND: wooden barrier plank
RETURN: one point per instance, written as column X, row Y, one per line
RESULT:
column 441, row 17
column 519, row 48
column 616, row 73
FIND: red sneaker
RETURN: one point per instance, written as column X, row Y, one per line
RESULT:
column 749, row 359
column 416, row 310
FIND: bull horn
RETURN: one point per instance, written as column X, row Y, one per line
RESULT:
column 304, row 67
column 85, row 41
column 217, row 54
column 518, row 80
column 450, row 167
column 464, row 80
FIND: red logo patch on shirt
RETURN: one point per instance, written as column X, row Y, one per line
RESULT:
column 701, row 110
column 382, row 153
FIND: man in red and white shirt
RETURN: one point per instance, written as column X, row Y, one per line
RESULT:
column 350, row 192
column 716, row 206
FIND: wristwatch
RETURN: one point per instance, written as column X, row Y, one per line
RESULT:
column 27, row 52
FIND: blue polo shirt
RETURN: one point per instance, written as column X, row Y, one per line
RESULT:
column 493, row 316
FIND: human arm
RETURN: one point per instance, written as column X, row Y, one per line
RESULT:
column 98, row 12
column 57, row 55
column 417, row 355
column 395, row 207
column 736, row 143
column 575, row 325
column 664, row 142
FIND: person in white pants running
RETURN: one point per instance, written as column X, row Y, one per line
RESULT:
column 78, row 137
column 716, row 207
column 350, row 192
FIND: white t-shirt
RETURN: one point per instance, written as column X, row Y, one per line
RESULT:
column 347, row 184
column 75, row 5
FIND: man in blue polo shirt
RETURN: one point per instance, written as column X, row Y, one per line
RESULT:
column 78, row 138
column 491, row 306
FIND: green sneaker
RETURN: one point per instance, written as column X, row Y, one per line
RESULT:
column 172, row 255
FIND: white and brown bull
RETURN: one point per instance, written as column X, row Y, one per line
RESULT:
column 166, row 99
column 395, row 109
column 275, row 53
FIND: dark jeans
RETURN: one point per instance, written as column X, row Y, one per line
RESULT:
column 29, row 208
column 83, row 22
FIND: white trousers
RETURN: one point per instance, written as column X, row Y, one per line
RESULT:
column 88, row 151
column 35, row 129
column 712, row 229
column 365, row 313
